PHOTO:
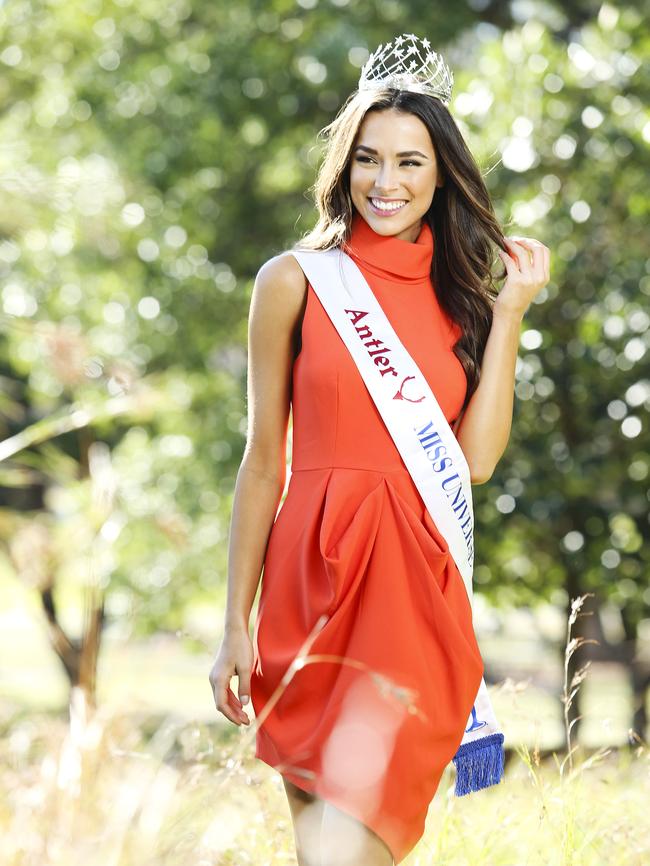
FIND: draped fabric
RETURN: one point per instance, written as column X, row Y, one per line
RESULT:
column 372, row 729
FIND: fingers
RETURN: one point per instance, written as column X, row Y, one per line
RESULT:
column 510, row 263
column 545, row 261
column 519, row 253
column 531, row 255
column 227, row 702
column 237, row 708
column 244, row 686
column 541, row 258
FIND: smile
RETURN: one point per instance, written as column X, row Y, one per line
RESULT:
column 386, row 208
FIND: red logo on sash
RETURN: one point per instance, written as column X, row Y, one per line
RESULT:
column 400, row 395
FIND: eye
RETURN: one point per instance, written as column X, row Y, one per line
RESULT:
column 404, row 161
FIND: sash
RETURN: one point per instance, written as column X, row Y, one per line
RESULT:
column 429, row 450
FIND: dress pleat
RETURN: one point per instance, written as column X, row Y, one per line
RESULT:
column 371, row 727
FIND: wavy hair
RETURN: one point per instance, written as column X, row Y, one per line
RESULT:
column 461, row 215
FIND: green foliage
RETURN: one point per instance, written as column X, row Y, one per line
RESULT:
column 155, row 156
column 571, row 491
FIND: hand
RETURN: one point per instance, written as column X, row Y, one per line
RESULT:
column 235, row 655
column 524, row 277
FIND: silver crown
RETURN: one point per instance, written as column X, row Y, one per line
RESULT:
column 401, row 64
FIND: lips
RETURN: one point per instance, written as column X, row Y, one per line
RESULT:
column 390, row 212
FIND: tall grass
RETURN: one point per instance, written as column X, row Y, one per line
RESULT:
column 101, row 788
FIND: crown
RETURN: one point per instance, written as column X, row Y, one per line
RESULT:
column 401, row 64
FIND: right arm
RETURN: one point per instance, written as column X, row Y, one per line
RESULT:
column 276, row 309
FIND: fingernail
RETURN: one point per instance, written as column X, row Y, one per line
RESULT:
column 244, row 699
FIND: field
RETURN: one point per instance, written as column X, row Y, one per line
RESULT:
column 157, row 778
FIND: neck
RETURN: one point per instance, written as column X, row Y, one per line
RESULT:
column 393, row 255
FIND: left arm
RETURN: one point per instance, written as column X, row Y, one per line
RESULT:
column 484, row 429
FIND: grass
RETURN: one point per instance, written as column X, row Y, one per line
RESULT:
column 143, row 788
column 119, row 791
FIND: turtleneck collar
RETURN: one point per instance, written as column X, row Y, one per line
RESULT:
column 388, row 255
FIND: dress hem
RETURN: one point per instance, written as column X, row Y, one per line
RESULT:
column 311, row 788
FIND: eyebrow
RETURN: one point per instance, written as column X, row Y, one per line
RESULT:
column 403, row 153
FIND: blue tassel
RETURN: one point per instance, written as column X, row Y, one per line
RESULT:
column 479, row 764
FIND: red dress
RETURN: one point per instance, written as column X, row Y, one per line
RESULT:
column 372, row 729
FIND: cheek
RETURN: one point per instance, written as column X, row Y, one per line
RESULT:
column 355, row 177
column 425, row 184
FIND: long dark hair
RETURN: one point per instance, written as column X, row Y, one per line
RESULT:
column 461, row 215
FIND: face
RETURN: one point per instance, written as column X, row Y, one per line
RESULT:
column 382, row 167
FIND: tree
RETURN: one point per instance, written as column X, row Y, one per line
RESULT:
column 155, row 159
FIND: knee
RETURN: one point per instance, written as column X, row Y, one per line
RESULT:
column 345, row 841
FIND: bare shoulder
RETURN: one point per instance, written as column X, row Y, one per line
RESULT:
column 285, row 265
column 278, row 301
column 274, row 321
column 282, row 281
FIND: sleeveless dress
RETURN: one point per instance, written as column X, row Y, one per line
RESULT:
column 371, row 724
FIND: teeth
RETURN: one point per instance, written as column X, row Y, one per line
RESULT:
column 386, row 206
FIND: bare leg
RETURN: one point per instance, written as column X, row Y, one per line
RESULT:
column 326, row 836
column 306, row 815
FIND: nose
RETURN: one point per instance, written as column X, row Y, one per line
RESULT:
column 384, row 180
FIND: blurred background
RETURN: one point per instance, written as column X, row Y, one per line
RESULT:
column 152, row 157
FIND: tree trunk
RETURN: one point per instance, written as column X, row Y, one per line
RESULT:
column 78, row 657
column 639, row 675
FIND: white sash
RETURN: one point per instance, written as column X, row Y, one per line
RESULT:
column 428, row 448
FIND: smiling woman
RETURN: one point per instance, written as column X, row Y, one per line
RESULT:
column 386, row 183
column 394, row 144
column 364, row 671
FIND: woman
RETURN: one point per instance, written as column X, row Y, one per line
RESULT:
column 356, row 571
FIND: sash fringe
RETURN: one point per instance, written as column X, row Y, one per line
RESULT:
column 479, row 764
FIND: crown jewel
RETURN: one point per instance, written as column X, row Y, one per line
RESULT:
column 408, row 63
